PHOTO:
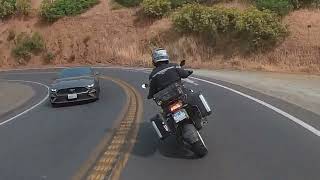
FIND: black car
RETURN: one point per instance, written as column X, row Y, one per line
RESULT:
column 75, row 85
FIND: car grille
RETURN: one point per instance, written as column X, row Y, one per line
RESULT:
column 72, row 90
column 64, row 99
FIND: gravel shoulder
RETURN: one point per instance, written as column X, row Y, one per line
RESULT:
column 298, row 89
column 13, row 95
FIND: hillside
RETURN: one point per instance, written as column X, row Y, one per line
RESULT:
column 109, row 34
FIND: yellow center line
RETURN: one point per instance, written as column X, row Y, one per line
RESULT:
column 115, row 154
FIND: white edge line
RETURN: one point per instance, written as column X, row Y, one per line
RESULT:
column 31, row 108
column 283, row 113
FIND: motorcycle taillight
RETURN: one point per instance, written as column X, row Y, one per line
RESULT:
column 175, row 106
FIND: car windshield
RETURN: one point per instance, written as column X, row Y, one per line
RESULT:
column 75, row 72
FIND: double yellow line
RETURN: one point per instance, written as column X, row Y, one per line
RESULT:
column 112, row 154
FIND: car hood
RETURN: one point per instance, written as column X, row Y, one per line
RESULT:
column 66, row 83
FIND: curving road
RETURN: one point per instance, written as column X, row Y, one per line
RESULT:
column 247, row 139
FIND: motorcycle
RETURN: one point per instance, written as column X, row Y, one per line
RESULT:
column 183, row 115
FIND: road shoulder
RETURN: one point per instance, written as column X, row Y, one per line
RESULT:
column 298, row 89
column 13, row 95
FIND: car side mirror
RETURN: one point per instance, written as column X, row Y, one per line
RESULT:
column 182, row 63
column 145, row 86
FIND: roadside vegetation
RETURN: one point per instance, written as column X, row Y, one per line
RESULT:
column 23, row 7
column 259, row 29
column 129, row 3
column 27, row 45
column 281, row 7
column 7, row 8
column 11, row 7
column 54, row 10
column 156, row 8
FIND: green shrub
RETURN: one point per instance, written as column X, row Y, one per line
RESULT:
column 202, row 19
column 156, row 8
column 305, row 3
column 224, row 18
column 48, row 57
column 260, row 28
column 23, row 6
column 194, row 18
column 281, row 7
column 129, row 3
column 10, row 7
column 53, row 10
column 27, row 45
column 7, row 8
column 316, row 3
column 312, row 3
column 177, row 3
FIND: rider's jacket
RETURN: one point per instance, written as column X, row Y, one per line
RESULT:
column 164, row 75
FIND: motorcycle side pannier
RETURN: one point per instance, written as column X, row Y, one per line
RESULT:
column 198, row 100
column 160, row 127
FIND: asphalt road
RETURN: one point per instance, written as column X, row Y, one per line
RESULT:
column 246, row 141
column 52, row 143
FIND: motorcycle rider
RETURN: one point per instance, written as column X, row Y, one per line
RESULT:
column 164, row 74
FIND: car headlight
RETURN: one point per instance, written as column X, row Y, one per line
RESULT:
column 90, row 85
column 53, row 90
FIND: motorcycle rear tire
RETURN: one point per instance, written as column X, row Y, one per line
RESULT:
column 193, row 137
column 199, row 149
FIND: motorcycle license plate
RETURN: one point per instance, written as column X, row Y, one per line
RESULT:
column 180, row 116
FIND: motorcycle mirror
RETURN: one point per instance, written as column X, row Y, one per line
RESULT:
column 145, row 86
column 182, row 63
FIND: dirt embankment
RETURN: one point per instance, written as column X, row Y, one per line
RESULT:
column 124, row 37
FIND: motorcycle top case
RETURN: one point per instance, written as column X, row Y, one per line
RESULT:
column 160, row 127
column 168, row 94
column 198, row 100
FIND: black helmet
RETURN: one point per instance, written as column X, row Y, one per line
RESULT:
column 159, row 55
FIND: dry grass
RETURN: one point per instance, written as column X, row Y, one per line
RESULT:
column 124, row 37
